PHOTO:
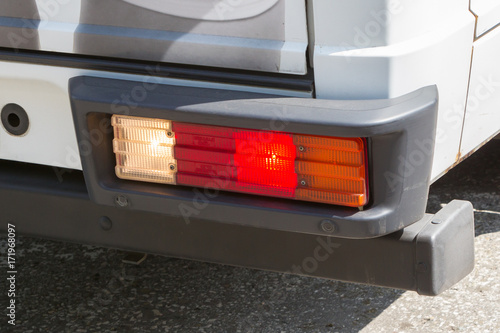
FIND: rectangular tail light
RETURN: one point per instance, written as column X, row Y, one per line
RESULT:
column 303, row 167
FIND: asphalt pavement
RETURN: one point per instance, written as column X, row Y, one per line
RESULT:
column 64, row 287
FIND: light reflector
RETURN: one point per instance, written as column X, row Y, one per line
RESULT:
column 303, row 167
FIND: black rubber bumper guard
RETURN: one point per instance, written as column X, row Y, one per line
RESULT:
column 391, row 242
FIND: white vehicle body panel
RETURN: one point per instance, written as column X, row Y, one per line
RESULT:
column 396, row 48
column 482, row 119
column 488, row 14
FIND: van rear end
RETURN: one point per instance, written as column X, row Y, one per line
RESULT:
column 294, row 136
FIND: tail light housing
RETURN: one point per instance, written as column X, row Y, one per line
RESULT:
column 321, row 169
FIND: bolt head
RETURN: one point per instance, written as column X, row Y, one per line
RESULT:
column 122, row 201
column 105, row 223
column 327, row 226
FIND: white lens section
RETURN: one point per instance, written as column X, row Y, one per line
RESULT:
column 144, row 149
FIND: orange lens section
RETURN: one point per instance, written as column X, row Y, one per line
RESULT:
column 331, row 170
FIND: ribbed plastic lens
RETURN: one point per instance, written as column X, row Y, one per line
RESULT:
column 144, row 149
column 304, row 167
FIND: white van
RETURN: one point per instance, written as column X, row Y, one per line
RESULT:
column 291, row 135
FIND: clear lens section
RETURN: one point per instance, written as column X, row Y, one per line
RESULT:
column 143, row 175
column 125, row 121
column 144, row 149
column 140, row 161
column 144, row 135
column 136, row 148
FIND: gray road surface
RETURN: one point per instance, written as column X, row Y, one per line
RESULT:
column 74, row 288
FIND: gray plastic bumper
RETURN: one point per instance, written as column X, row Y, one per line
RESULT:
column 429, row 256
column 400, row 133
column 445, row 248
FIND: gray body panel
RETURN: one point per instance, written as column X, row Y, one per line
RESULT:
column 148, row 35
column 119, row 29
column 20, row 33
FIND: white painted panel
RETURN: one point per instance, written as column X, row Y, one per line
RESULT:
column 421, row 43
column 482, row 119
column 349, row 24
column 293, row 59
column 43, row 92
column 51, row 138
column 488, row 14
column 58, row 23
